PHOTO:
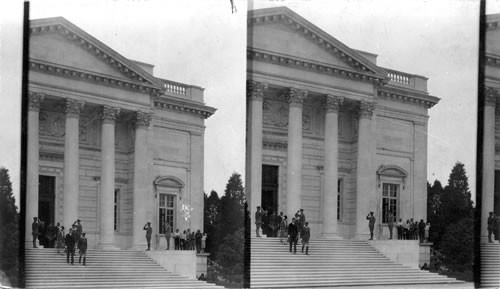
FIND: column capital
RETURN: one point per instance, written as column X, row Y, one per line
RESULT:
column 365, row 109
column 109, row 113
column 34, row 100
column 143, row 119
column 256, row 90
column 295, row 97
column 490, row 96
column 73, row 107
column 333, row 103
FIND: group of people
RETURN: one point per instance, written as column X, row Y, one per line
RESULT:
column 51, row 236
column 185, row 240
column 298, row 228
column 409, row 230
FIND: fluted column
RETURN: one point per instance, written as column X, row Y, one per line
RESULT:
column 488, row 185
column 142, row 183
column 255, row 96
column 365, row 175
column 32, row 165
column 107, row 232
column 295, row 99
column 331, row 165
column 71, row 161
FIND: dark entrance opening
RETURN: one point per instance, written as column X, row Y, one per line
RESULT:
column 269, row 196
column 46, row 202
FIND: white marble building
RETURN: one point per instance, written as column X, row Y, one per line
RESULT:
column 330, row 131
column 108, row 142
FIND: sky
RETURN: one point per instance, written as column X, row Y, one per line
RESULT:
column 203, row 43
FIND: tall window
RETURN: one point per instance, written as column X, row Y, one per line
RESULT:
column 117, row 210
column 339, row 200
column 166, row 212
column 389, row 201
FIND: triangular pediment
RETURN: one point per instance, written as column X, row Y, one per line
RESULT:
column 282, row 31
column 58, row 42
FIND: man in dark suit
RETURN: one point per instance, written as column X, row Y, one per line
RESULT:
column 491, row 226
column 82, row 247
column 34, row 231
column 293, row 235
column 149, row 232
column 371, row 224
column 306, row 235
column 258, row 220
column 70, row 246
column 390, row 223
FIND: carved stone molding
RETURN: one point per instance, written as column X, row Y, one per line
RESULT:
column 295, row 97
column 365, row 109
column 182, row 106
column 490, row 96
column 73, row 108
column 427, row 103
column 109, row 114
column 333, row 103
column 34, row 100
column 143, row 119
column 256, row 90
column 275, row 146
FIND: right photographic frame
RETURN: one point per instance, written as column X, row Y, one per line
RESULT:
column 366, row 160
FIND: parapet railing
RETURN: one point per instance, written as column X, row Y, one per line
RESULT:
column 407, row 80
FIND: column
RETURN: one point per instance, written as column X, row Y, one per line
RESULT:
column 142, row 183
column 71, row 161
column 365, row 175
column 32, row 163
column 107, row 232
column 331, row 165
column 295, row 99
column 488, row 185
column 255, row 96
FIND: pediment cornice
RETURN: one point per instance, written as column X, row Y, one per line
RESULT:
column 185, row 106
column 299, row 24
column 93, row 77
column 425, row 100
column 309, row 65
column 95, row 47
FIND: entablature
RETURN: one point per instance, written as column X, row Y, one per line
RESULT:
column 183, row 105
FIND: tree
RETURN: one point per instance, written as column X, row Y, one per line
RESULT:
column 9, row 230
column 457, row 254
column 230, row 256
column 232, row 206
column 211, row 220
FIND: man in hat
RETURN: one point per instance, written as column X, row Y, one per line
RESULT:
column 293, row 235
column 371, row 224
column 83, row 249
column 301, row 220
column 390, row 223
column 70, row 246
column 78, row 231
column 149, row 232
column 258, row 220
column 491, row 226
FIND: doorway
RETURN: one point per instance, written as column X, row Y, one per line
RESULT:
column 46, row 198
column 269, row 203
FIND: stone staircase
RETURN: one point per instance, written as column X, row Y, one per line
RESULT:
column 490, row 265
column 105, row 269
column 333, row 263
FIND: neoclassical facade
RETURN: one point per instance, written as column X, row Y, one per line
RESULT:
column 108, row 142
column 491, row 129
column 330, row 131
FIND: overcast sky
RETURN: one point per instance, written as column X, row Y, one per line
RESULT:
column 203, row 43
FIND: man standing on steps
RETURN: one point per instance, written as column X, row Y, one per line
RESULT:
column 293, row 235
column 70, row 246
column 306, row 235
column 82, row 246
column 258, row 220
column 79, row 229
column 371, row 224
column 34, row 231
column 168, row 234
column 149, row 232
column 491, row 226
